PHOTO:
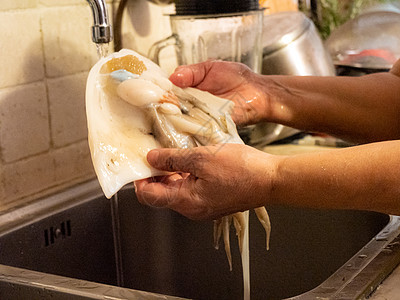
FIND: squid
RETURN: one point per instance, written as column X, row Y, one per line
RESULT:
column 132, row 107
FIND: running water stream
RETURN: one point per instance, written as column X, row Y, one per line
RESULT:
column 245, row 255
column 102, row 51
column 117, row 239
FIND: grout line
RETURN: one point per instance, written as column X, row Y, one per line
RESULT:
column 49, row 151
column 49, row 118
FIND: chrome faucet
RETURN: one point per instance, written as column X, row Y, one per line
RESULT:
column 101, row 29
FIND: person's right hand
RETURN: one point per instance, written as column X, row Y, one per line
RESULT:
column 209, row 182
column 229, row 80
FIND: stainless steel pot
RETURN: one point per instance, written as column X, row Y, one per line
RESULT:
column 292, row 46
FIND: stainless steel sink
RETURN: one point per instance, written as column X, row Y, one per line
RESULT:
column 79, row 245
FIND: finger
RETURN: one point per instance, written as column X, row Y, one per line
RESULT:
column 169, row 179
column 182, row 77
column 185, row 175
column 166, row 179
column 177, row 160
column 190, row 75
column 151, row 194
column 156, row 194
column 139, row 184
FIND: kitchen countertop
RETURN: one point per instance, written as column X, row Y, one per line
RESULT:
column 390, row 287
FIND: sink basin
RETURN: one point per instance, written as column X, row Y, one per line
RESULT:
column 79, row 245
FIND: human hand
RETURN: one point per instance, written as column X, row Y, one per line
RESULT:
column 229, row 80
column 211, row 182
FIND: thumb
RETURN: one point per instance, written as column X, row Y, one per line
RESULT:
column 191, row 75
column 173, row 160
column 183, row 76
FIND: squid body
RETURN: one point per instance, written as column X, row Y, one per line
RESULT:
column 132, row 107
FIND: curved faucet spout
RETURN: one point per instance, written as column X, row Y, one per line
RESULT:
column 101, row 29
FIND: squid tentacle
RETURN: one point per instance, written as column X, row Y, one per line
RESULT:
column 263, row 217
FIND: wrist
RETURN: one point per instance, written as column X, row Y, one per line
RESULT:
column 266, row 170
column 277, row 100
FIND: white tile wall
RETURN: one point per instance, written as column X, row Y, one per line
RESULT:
column 67, row 45
column 63, row 2
column 67, row 109
column 24, row 129
column 2, row 190
column 29, row 176
column 72, row 162
column 45, row 54
column 21, row 55
column 17, row 4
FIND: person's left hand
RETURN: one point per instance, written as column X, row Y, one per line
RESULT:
column 209, row 182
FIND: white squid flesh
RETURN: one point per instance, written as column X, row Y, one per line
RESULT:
column 132, row 108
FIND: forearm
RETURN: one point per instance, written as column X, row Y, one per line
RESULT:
column 358, row 109
column 365, row 177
